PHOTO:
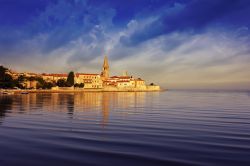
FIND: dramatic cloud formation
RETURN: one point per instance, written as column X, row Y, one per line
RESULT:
column 176, row 43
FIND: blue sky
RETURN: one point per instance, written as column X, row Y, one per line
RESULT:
column 175, row 43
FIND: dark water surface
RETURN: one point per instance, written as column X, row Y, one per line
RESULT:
column 125, row 129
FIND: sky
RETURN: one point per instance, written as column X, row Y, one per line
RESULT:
column 174, row 43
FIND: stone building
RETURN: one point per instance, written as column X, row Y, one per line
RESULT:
column 105, row 69
column 120, row 82
column 99, row 81
column 125, row 82
column 90, row 80
column 53, row 77
column 29, row 84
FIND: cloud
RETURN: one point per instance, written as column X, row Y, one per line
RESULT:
column 177, row 44
column 193, row 17
column 212, row 58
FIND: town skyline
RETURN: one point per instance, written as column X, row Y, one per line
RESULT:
column 100, row 81
column 177, row 44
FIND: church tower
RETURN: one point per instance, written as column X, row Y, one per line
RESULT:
column 105, row 68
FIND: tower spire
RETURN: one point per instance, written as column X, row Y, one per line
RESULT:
column 105, row 63
column 105, row 68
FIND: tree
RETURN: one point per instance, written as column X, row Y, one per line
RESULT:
column 71, row 79
column 81, row 85
column 21, row 78
column 40, row 80
column 3, row 75
column 6, row 80
column 2, row 72
column 61, row 83
column 41, row 83
column 32, row 78
column 48, row 85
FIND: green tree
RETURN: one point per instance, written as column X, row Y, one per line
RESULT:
column 71, row 79
column 6, row 80
column 21, row 78
column 32, row 78
column 40, row 83
column 40, row 80
column 61, row 83
column 2, row 72
column 81, row 85
column 48, row 85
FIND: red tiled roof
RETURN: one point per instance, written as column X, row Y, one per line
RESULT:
column 122, row 81
column 55, row 75
column 114, row 77
column 123, row 77
column 90, row 74
column 32, row 73
column 60, row 75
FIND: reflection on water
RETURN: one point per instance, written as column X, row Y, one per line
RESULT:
column 156, row 129
column 69, row 101
column 5, row 105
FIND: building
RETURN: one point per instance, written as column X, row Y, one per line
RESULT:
column 13, row 74
column 125, row 82
column 105, row 69
column 94, row 81
column 29, row 84
column 90, row 80
column 54, row 77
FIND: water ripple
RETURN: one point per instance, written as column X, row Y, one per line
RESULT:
column 167, row 128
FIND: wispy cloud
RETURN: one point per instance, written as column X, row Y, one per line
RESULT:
column 176, row 43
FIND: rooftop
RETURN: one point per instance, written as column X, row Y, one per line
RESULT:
column 55, row 75
column 77, row 74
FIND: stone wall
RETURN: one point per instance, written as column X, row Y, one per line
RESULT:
column 153, row 88
column 112, row 88
column 141, row 88
column 62, row 88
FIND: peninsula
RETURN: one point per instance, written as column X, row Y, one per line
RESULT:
column 55, row 82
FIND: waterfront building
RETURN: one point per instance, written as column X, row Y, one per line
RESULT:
column 103, row 80
column 90, row 80
column 54, row 77
column 105, row 69
column 125, row 82
column 12, row 73
column 30, row 84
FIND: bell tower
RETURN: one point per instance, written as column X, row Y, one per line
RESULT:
column 105, row 68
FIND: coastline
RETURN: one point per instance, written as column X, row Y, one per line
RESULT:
column 74, row 91
column 73, row 82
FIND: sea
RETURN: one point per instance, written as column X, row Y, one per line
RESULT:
column 174, row 127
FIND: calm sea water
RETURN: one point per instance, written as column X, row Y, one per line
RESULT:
column 125, row 129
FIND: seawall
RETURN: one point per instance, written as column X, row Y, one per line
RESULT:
column 72, row 90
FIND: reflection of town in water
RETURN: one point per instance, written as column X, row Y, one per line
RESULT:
column 75, row 105
column 5, row 105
